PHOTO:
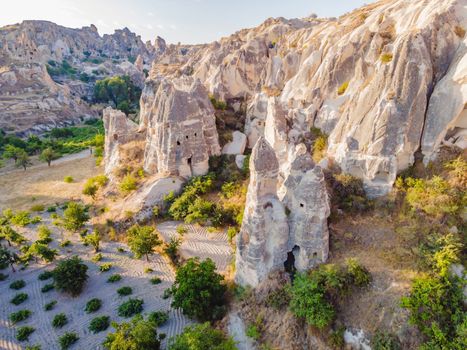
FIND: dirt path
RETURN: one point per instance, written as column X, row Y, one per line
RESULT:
column 41, row 184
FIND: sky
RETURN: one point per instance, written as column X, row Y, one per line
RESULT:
column 185, row 21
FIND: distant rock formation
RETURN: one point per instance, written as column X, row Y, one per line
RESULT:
column 275, row 232
column 31, row 101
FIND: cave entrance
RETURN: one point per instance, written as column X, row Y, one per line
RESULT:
column 289, row 264
column 189, row 162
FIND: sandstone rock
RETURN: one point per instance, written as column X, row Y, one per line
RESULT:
column 237, row 145
column 180, row 127
column 239, row 159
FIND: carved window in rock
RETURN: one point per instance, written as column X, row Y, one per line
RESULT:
column 115, row 137
column 268, row 205
column 178, row 143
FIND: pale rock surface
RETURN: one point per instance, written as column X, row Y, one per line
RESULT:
column 239, row 159
column 237, row 145
column 180, row 127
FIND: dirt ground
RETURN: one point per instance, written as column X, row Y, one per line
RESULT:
column 40, row 184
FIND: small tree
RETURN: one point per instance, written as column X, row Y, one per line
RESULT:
column 94, row 240
column 137, row 334
column 74, row 216
column 42, row 251
column 142, row 240
column 12, row 152
column 23, row 160
column 10, row 235
column 198, row 290
column 201, row 336
column 8, row 258
column 70, row 275
column 48, row 155
column 90, row 189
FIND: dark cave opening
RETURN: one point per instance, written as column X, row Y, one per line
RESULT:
column 289, row 264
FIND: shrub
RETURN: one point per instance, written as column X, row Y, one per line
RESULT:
column 218, row 104
column 51, row 209
column 319, row 148
column 10, row 235
column 359, row 274
column 93, row 305
column 70, row 275
column 44, row 234
column 59, row 320
column 231, row 233
column 38, row 208
column 18, row 284
column 158, row 317
column 181, row 229
column 278, row 298
column 123, row 291
column 137, row 334
column 130, row 307
column 171, row 250
column 199, row 211
column 253, row 332
column 201, row 336
column 19, row 316
column 386, row 57
column 45, row 275
column 21, row 218
column 75, row 216
column 148, row 270
column 23, row 333
column 49, row 306
column 99, row 324
column 97, row 257
column 42, row 251
column 142, row 240
column 67, row 340
column 90, row 189
column 105, row 267
column 341, row 90
column 68, row 179
column 114, row 278
column 348, row 193
column 19, row 298
column 128, row 184
column 156, row 280
column 385, row 341
column 33, row 347
column 47, row 288
column 3, row 277
column 198, row 290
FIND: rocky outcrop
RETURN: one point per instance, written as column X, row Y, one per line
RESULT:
column 373, row 80
column 180, row 125
column 31, row 101
column 275, row 231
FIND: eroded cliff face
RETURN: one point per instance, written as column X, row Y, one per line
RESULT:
column 31, row 101
column 373, row 80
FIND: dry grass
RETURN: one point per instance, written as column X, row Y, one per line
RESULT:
column 44, row 185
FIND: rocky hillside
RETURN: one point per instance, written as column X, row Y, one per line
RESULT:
column 47, row 71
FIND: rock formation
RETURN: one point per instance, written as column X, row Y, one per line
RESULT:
column 275, row 231
column 31, row 101
column 180, row 125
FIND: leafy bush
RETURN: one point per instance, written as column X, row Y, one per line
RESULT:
column 348, row 193
column 358, row 274
column 171, row 250
column 158, row 317
column 38, row 208
column 201, row 336
column 253, row 332
column 278, row 298
column 385, row 341
column 181, row 229
column 70, row 275
column 156, row 280
column 33, row 347
column 44, row 234
column 105, row 267
column 137, row 334
column 93, row 305
column 99, row 324
column 386, row 57
column 42, row 251
column 114, row 278
column 341, row 90
column 75, row 216
column 198, row 290
column 128, row 184
column 49, row 306
column 21, row 218
column 47, row 288
column 19, row 298
column 97, row 257
column 118, row 90
column 10, row 235
column 123, row 291
column 59, row 320
column 142, row 240
column 67, row 340
column 218, row 104
column 23, row 333
column 130, row 307
column 68, row 179
column 19, row 316
column 18, row 284
column 45, row 275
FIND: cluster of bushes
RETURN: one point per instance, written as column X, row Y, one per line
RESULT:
column 94, row 184
column 56, row 69
column 314, row 296
column 120, row 91
column 347, row 193
column 57, row 142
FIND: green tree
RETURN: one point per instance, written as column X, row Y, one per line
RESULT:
column 94, row 240
column 10, row 235
column 142, row 240
column 201, row 337
column 198, row 290
column 23, row 160
column 12, row 152
column 70, row 275
column 138, row 334
column 48, row 155
column 42, row 251
column 75, row 216
column 90, row 189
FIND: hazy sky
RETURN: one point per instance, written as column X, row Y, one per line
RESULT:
column 187, row 21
